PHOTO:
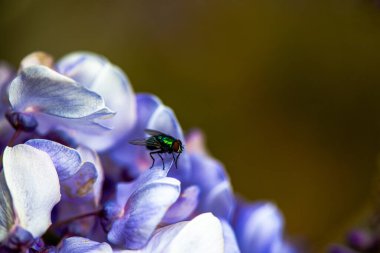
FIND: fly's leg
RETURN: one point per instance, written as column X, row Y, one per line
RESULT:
column 162, row 159
column 174, row 160
column 151, row 155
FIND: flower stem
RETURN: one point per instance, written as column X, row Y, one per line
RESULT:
column 69, row 220
column 15, row 135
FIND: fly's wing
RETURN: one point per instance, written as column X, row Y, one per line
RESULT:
column 154, row 132
column 151, row 143
column 138, row 142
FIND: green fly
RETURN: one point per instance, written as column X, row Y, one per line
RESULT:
column 160, row 143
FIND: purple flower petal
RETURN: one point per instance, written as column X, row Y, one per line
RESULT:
column 361, row 239
column 125, row 190
column 202, row 234
column 90, row 156
column 138, row 159
column 220, row 201
column 34, row 186
column 82, row 193
column 183, row 207
column 259, row 228
column 19, row 238
column 81, row 183
column 97, row 74
column 44, row 93
column 81, row 245
column 143, row 212
column 115, row 209
column 67, row 161
column 216, row 192
column 230, row 243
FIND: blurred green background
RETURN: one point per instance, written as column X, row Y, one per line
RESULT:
column 287, row 92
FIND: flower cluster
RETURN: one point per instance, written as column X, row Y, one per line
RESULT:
column 71, row 181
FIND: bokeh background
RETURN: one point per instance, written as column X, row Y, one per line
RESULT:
column 287, row 92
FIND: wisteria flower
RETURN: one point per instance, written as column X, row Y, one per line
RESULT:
column 29, row 191
column 139, row 207
column 216, row 194
column 40, row 96
column 81, row 178
column 259, row 229
column 115, row 201
column 97, row 74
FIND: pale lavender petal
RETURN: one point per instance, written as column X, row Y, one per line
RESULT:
column 259, row 228
column 81, row 245
column 81, row 183
column 67, row 161
column 34, row 186
column 138, row 158
column 125, row 190
column 153, row 174
column 220, row 201
column 183, row 207
column 40, row 90
column 203, row 234
column 85, row 186
column 99, row 75
column 216, row 192
column 7, row 215
column 90, row 156
column 82, row 193
column 143, row 212
column 147, row 104
column 230, row 243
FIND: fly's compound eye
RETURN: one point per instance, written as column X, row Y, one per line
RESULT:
column 177, row 147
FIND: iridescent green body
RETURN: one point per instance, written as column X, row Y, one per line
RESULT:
column 165, row 141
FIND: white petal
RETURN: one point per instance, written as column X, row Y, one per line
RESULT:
column 203, row 234
column 230, row 243
column 34, row 186
column 6, row 209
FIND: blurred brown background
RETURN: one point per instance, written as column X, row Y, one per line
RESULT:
column 287, row 92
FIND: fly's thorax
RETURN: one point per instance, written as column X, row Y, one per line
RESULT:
column 165, row 141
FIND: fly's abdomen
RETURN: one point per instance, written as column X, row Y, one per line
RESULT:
column 153, row 144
